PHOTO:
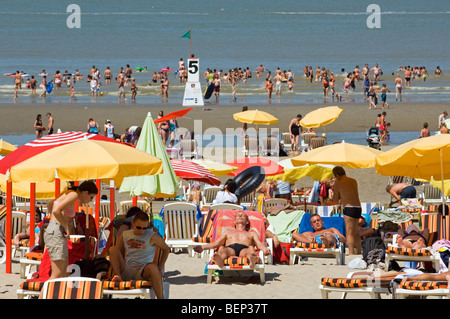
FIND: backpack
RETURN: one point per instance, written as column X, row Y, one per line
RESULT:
column 373, row 250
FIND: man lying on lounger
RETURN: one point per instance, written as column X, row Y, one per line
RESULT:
column 237, row 242
column 132, row 258
column 320, row 235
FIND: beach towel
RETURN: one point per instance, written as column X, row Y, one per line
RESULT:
column 274, row 210
column 224, row 221
column 284, row 224
column 328, row 222
column 393, row 215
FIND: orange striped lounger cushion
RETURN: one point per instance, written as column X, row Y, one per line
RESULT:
column 354, row 282
column 74, row 290
column 236, row 261
column 423, row 285
column 408, row 251
column 127, row 285
column 311, row 246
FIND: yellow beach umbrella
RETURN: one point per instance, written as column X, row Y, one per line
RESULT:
column 425, row 158
column 42, row 190
column 87, row 159
column 438, row 184
column 343, row 154
column 420, row 158
column 216, row 168
column 255, row 117
column 321, row 116
column 294, row 173
column 6, row 148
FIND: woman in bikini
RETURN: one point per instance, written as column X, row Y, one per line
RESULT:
column 38, row 126
column 398, row 87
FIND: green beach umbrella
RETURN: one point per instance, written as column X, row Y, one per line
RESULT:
column 161, row 185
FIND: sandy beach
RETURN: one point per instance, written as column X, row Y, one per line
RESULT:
column 19, row 118
column 185, row 275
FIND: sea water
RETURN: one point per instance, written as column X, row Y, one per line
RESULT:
column 225, row 34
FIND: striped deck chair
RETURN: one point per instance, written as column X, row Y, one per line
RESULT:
column 423, row 288
column 367, row 208
column 435, row 223
column 142, row 288
column 73, row 288
column 224, row 220
column 205, row 233
column 354, row 283
column 300, row 249
column 327, row 211
column 393, row 252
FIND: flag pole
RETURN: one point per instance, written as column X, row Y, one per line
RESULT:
column 190, row 37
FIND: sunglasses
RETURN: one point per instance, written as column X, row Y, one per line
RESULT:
column 144, row 228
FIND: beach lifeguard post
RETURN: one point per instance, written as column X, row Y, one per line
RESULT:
column 193, row 91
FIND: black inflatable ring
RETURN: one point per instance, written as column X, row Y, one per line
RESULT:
column 252, row 177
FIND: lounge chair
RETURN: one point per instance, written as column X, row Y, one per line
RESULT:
column 306, row 139
column 424, row 289
column 355, row 283
column 180, row 222
column 225, row 219
column 226, row 206
column 271, row 146
column 318, row 250
column 328, row 211
column 286, row 141
column 316, row 142
column 209, row 194
column 272, row 202
column 141, row 288
column 127, row 204
column 434, row 222
column 251, row 147
column 431, row 194
column 205, row 233
column 188, row 149
column 18, row 222
column 73, row 288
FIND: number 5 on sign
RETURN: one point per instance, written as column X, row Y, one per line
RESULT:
column 193, row 70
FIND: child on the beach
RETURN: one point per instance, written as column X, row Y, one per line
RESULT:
column 383, row 92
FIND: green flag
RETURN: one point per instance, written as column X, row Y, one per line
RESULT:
column 187, row 35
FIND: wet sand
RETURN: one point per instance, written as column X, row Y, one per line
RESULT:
column 19, row 118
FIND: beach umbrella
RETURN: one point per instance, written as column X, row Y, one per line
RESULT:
column 191, row 171
column 42, row 190
column 161, row 185
column 171, row 115
column 6, row 148
column 87, row 159
column 270, row 167
column 321, row 117
column 343, row 154
column 83, row 160
column 37, row 146
column 217, row 168
column 255, row 117
column 424, row 158
column 317, row 172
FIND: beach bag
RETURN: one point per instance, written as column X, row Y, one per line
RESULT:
column 281, row 254
column 373, row 250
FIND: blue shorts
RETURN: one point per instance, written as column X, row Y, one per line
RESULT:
column 408, row 192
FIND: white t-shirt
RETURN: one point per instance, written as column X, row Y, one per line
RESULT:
column 223, row 197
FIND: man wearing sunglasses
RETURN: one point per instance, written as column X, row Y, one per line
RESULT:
column 133, row 256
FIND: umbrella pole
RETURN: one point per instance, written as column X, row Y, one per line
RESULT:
column 32, row 212
column 86, row 234
column 8, row 226
column 444, row 209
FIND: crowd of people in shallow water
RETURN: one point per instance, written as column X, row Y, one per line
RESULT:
column 334, row 85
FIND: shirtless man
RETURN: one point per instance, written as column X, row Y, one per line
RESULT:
column 128, row 72
column 376, row 70
column 108, row 75
column 277, row 80
column 320, row 235
column 345, row 190
column 408, row 75
column 260, row 69
column 33, row 84
column 51, row 122
column 401, row 190
column 366, row 70
column 120, row 86
column 237, row 242
column 217, row 86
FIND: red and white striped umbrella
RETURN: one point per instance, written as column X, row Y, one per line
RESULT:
column 191, row 171
column 37, row 146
